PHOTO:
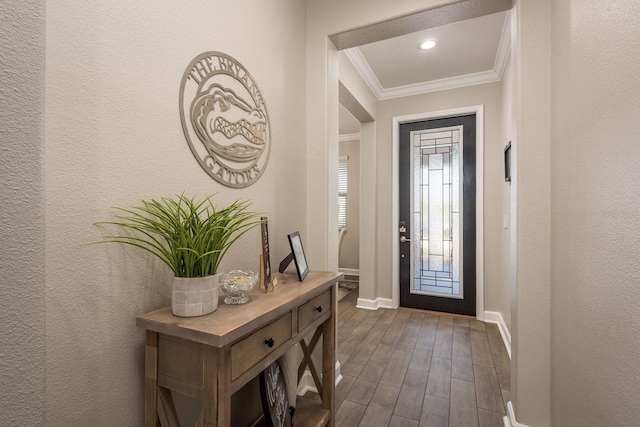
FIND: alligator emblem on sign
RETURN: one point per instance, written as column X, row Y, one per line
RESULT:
column 224, row 119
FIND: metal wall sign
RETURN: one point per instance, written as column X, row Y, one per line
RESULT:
column 225, row 119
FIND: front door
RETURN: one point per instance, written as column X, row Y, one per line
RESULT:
column 437, row 228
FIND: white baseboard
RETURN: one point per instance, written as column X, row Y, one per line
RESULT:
column 369, row 304
column 496, row 317
column 338, row 374
column 350, row 271
column 306, row 382
column 510, row 419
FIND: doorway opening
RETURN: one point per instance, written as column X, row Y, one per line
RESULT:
column 380, row 260
column 477, row 300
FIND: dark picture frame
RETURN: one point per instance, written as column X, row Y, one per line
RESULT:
column 298, row 255
column 507, row 162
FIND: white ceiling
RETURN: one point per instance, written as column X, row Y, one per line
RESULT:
column 467, row 53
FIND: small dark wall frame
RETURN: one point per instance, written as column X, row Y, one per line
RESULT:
column 507, row 162
column 298, row 255
column 273, row 393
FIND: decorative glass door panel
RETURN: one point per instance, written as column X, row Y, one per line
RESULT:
column 436, row 164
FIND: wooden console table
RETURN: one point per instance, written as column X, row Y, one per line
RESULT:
column 213, row 356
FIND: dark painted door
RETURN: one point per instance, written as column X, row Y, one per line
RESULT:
column 437, row 228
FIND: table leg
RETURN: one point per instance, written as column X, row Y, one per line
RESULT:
column 329, row 361
column 216, row 402
column 151, row 379
column 210, row 389
column 224, row 387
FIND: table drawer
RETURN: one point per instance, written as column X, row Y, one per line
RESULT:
column 250, row 350
column 314, row 309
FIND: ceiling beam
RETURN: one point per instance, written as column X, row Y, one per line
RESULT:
column 430, row 18
column 352, row 105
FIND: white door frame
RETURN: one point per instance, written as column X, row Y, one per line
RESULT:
column 478, row 110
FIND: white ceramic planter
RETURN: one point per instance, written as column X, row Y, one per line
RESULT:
column 194, row 296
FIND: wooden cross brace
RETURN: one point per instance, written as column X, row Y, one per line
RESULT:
column 308, row 359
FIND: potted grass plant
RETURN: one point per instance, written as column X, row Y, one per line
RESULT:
column 191, row 237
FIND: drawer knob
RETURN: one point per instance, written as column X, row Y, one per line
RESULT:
column 269, row 342
column 319, row 309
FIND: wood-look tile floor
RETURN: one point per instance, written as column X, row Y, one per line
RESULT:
column 411, row 368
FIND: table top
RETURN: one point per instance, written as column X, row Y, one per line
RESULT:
column 230, row 322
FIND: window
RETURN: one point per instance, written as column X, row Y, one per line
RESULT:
column 342, row 192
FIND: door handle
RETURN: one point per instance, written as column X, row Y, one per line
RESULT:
column 404, row 239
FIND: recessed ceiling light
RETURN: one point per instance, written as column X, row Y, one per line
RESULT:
column 429, row 44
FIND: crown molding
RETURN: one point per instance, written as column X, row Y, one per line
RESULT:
column 504, row 46
column 357, row 59
column 482, row 77
column 490, row 76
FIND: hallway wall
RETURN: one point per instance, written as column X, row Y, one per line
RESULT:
column 113, row 137
column 366, row 110
column 530, row 239
column 595, row 211
column 22, row 335
column 508, row 136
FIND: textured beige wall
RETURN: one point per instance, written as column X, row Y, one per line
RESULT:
column 508, row 131
column 367, row 246
column 530, row 316
column 595, row 208
column 22, row 334
column 489, row 95
column 350, row 253
column 113, row 136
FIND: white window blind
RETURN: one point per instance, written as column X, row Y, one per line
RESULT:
column 342, row 192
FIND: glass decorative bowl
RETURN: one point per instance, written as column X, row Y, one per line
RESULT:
column 236, row 284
